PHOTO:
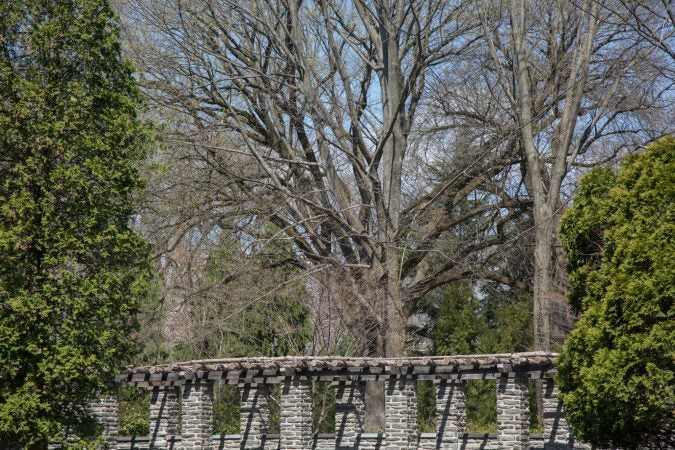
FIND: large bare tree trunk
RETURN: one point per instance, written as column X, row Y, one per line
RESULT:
column 545, row 171
column 543, row 257
column 395, row 332
column 541, row 313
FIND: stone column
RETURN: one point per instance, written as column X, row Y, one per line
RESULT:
column 513, row 412
column 400, row 412
column 164, row 420
column 104, row 410
column 296, row 415
column 556, row 429
column 350, row 411
column 450, row 413
column 197, row 415
column 254, row 415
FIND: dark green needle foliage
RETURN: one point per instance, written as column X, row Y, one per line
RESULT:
column 71, row 269
column 617, row 367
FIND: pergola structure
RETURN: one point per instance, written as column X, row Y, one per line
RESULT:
column 181, row 406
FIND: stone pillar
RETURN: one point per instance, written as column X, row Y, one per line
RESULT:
column 400, row 412
column 164, row 420
column 254, row 415
column 513, row 412
column 350, row 412
column 556, row 429
column 104, row 411
column 450, row 413
column 197, row 415
column 296, row 415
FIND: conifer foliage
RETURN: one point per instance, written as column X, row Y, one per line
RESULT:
column 617, row 370
column 71, row 268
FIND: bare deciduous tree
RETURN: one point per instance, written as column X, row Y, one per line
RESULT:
column 654, row 21
column 308, row 115
column 579, row 87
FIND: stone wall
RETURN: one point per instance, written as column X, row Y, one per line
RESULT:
column 104, row 410
column 296, row 414
column 350, row 412
column 164, row 415
column 197, row 415
column 254, row 412
column 450, row 413
column 182, row 403
column 513, row 412
column 400, row 413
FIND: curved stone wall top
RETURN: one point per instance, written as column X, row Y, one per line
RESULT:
column 337, row 368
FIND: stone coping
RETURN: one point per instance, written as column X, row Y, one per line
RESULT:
column 339, row 368
column 338, row 362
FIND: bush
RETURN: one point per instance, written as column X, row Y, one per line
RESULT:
column 616, row 372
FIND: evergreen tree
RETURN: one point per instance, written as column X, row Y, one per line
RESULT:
column 617, row 370
column 499, row 320
column 71, row 269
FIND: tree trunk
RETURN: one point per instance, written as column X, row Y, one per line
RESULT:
column 543, row 257
column 396, row 316
column 391, row 340
column 544, row 236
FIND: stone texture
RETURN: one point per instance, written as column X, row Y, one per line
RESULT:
column 104, row 410
column 197, row 415
column 350, row 411
column 400, row 411
column 370, row 441
column 513, row 412
column 296, row 414
column 254, row 415
column 450, row 413
column 556, row 429
column 164, row 415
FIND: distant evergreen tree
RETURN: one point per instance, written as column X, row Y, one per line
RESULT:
column 498, row 320
column 617, row 369
column 71, row 269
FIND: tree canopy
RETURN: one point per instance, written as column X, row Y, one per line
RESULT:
column 397, row 146
column 72, row 269
column 617, row 370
